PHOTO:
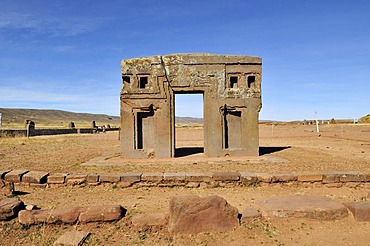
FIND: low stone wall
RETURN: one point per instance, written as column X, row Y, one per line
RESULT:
column 190, row 180
column 41, row 132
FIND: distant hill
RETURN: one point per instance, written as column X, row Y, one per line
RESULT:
column 50, row 118
column 365, row 119
column 14, row 118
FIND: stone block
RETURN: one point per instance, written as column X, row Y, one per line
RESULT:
column 101, row 213
column 226, row 176
column 191, row 214
column 35, row 177
column 352, row 177
column 333, row 185
column 311, row 207
column 174, row 177
column 331, row 177
column 10, row 207
column 15, row 176
column 57, row 178
column 152, row 177
column 3, row 172
column 360, row 210
column 131, row 177
column 92, row 178
column 198, row 177
column 76, row 179
column 250, row 214
column 248, row 178
column 192, row 185
column 72, row 238
column 110, row 178
column 264, row 177
column 283, row 177
column 309, row 177
column 156, row 220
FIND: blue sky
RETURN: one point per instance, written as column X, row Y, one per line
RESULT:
column 66, row 54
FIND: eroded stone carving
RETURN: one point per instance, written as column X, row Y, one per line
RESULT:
column 231, row 88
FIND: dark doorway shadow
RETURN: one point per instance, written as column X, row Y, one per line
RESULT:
column 270, row 150
column 185, row 151
column 20, row 193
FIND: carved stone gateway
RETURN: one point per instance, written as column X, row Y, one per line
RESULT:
column 231, row 88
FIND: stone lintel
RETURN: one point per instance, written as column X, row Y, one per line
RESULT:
column 35, row 177
column 15, row 175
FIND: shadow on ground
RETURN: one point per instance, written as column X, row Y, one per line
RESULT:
column 270, row 150
column 185, row 151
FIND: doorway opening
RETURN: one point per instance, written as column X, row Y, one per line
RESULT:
column 189, row 127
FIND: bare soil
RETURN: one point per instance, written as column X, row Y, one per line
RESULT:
column 339, row 148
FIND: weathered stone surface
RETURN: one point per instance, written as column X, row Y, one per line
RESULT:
column 198, row 177
column 131, row 177
column 352, row 177
column 249, row 214
column 233, row 92
column 9, row 208
column 174, row 177
column 310, row 177
column 101, row 213
column 35, row 177
column 76, row 179
column 92, row 178
column 226, row 176
column 313, row 207
column 283, row 177
column 152, row 177
column 150, row 220
column 72, row 238
column 248, row 178
column 331, row 177
column 15, row 175
column 72, row 215
column 3, row 172
column 6, row 188
column 57, row 178
column 360, row 210
column 110, row 178
column 191, row 214
column 264, row 177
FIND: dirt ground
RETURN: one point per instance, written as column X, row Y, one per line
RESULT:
column 339, row 148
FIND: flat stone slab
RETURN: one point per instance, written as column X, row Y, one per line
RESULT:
column 110, row 178
column 152, row 177
column 360, row 210
column 131, row 177
column 312, row 207
column 226, row 176
column 15, row 175
column 174, row 177
column 310, row 177
column 249, row 214
column 76, row 179
column 57, row 178
column 35, row 177
column 198, row 177
column 72, row 238
column 9, row 208
column 72, row 215
column 248, row 178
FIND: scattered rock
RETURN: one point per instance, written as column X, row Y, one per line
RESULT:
column 6, row 188
column 191, row 214
column 72, row 238
column 313, row 207
column 9, row 208
column 360, row 210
